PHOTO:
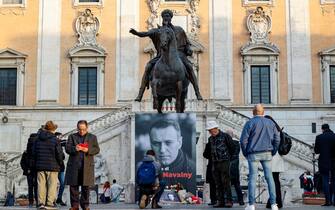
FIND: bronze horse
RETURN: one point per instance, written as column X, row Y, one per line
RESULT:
column 169, row 74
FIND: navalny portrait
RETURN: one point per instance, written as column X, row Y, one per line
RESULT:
column 172, row 137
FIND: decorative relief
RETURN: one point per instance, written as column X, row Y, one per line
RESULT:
column 195, row 20
column 87, row 27
column 259, row 25
column 152, row 20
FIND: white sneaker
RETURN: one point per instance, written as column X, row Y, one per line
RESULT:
column 250, row 207
column 274, row 207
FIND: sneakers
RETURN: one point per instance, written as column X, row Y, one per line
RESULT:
column 250, row 207
column 274, row 207
column 41, row 207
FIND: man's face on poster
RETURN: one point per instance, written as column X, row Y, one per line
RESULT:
column 166, row 143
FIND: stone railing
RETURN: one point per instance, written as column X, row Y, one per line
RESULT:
column 301, row 152
column 107, row 120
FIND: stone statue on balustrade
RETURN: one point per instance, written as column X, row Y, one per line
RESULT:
column 170, row 72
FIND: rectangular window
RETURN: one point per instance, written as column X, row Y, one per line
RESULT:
column 8, row 81
column 332, row 84
column 260, row 85
column 12, row 2
column 87, row 86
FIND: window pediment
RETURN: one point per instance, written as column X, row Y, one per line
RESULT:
column 329, row 51
column 87, row 52
column 10, row 53
column 260, row 49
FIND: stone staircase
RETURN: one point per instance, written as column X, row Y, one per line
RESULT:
column 300, row 156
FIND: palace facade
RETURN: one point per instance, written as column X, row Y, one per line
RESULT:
column 66, row 60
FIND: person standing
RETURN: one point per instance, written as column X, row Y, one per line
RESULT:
column 61, row 175
column 259, row 143
column 222, row 148
column 277, row 168
column 235, row 169
column 48, row 156
column 31, row 169
column 325, row 146
column 81, row 147
column 209, row 174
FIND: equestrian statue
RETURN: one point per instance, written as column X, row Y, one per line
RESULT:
column 170, row 72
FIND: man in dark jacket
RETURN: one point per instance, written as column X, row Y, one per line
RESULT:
column 30, row 171
column 325, row 146
column 235, row 169
column 48, row 155
column 222, row 148
column 81, row 146
column 209, row 174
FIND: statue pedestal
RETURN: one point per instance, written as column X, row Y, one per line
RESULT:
column 129, row 193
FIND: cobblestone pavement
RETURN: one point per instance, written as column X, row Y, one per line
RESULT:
column 177, row 206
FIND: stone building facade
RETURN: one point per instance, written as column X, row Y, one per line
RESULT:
column 75, row 59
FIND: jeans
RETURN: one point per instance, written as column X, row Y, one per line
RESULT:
column 221, row 174
column 47, row 187
column 61, row 179
column 265, row 158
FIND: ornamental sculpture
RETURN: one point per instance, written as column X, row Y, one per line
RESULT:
column 87, row 27
column 259, row 25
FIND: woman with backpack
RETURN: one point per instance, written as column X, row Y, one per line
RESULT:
column 277, row 168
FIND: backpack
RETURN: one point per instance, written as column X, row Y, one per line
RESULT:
column 285, row 143
column 285, row 140
column 9, row 199
column 146, row 173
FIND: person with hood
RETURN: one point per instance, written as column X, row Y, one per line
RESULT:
column 325, row 146
column 154, row 184
column 48, row 157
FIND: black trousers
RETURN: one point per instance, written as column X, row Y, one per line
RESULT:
column 32, row 187
column 237, row 186
column 212, row 191
column 84, row 196
column 85, row 193
column 221, row 174
column 279, row 199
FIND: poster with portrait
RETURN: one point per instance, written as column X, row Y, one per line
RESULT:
column 172, row 136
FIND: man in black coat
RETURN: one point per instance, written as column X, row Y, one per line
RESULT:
column 209, row 174
column 81, row 146
column 222, row 148
column 325, row 146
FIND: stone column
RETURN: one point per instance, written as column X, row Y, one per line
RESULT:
column 221, row 49
column 48, row 66
column 299, row 51
column 127, row 50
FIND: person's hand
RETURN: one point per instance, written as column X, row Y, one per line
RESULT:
column 84, row 149
column 78, row 148
column 133, row 31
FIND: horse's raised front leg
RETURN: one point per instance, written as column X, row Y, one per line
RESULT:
column 178, row 96
column 154, row 83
